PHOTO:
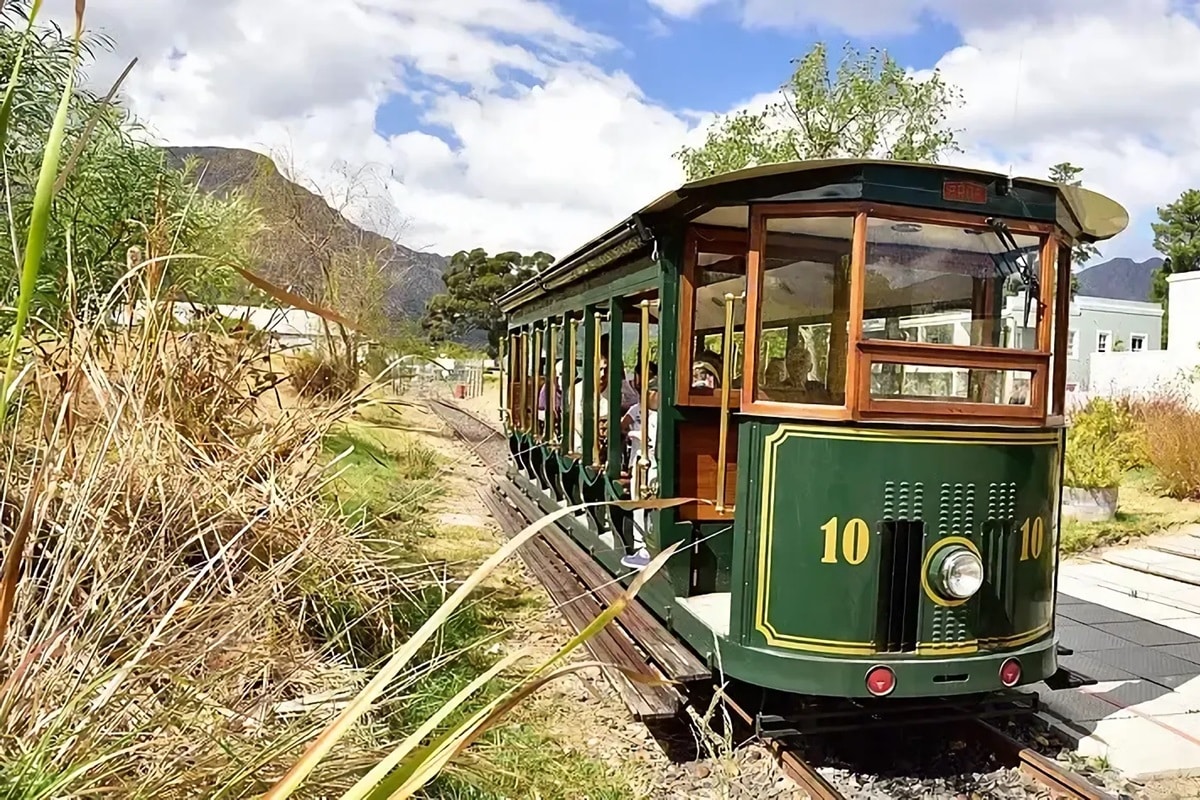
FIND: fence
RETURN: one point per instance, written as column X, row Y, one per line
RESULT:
column 463, row 381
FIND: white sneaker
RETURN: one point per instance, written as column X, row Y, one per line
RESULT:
column 638, row 560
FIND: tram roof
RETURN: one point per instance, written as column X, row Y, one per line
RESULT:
column 1094, row 216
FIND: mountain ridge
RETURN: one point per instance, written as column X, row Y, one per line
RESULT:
column 1119, row 279
column 413, row 276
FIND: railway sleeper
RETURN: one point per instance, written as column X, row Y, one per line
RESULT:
column 579, row 604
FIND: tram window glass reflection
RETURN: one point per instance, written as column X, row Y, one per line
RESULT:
column 946, row 284
column 716, row 275
column 951, row 384
column 804, row 310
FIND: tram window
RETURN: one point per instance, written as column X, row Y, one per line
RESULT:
column 716, row 275
column 946, row 284
column 599, row 393
column 804, row 311
column 951, row 384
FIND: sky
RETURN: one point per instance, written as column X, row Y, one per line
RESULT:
column 538, row 124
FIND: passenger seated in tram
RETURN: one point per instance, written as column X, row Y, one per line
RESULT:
column 788, row 379
column 629, row 394
column 601, row 401
column 541, row 401
column 706, row 370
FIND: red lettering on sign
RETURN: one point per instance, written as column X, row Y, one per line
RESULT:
column 964, row 192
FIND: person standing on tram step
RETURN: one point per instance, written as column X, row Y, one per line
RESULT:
column 635, row 424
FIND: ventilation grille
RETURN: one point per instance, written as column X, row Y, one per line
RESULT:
column 902, row 537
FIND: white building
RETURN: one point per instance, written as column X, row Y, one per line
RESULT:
column 1175, row 369
column 1098, row 325
column 293, row 328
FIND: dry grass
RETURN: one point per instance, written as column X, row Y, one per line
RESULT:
column 1170, row 432
column 190, row 609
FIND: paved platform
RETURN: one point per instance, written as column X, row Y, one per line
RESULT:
column 1132, row 617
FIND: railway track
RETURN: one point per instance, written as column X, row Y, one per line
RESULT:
column 480, row 436
column 1051, row 778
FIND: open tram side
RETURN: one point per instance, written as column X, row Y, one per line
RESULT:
column 860, row 365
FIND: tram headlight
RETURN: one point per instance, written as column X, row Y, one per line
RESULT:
column 960, row 574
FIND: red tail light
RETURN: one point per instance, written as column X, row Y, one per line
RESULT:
column 881, row 681
column 1010, row 672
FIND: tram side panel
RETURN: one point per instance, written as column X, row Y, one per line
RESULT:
column 844, row 541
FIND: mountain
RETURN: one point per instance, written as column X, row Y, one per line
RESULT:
column 296, row 216
column 1119, row 279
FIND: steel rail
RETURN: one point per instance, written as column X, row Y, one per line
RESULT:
column 1049, row 773
column 790, row 761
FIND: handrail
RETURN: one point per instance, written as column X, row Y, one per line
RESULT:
column 533, row 379
column 574, row 339
column 551, row 389
column 726, row 378
column 644, row 457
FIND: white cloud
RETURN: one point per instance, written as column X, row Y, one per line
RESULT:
column 682, row 8
column 1113, row 93
column 876, row 17
column 1110, row 86
column 524, row 142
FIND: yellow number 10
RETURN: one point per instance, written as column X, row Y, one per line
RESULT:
column 856, row 541
column 1033, row 538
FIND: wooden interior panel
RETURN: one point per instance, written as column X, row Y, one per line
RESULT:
column 696, row 464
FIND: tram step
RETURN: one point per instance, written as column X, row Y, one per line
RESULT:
column 1067, row 678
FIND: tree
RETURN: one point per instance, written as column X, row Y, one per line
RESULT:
column 1177, row 237
column 310, row 247
column 1067, row 174
column 475, row 282
column 871, row 107
column 121, row 192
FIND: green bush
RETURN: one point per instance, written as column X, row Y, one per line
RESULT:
column 1101, row 443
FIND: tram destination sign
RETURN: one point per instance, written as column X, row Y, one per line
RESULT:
column 964, row 192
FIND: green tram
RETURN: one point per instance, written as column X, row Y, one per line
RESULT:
column 855, row 370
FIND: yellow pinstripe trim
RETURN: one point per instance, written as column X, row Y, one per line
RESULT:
column 766, row 529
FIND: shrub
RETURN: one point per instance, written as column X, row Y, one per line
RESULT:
column 191, row 609
column 1098, row 445
column 417, row 462
column 314, row 375
column 1171, row 430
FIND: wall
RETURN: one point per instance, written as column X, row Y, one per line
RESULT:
column 1183, row 329
column 1175, row 370
column 1142, row 374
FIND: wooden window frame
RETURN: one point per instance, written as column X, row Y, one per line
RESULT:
column 722, row 241
column 759, row 214
column 861, row 354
